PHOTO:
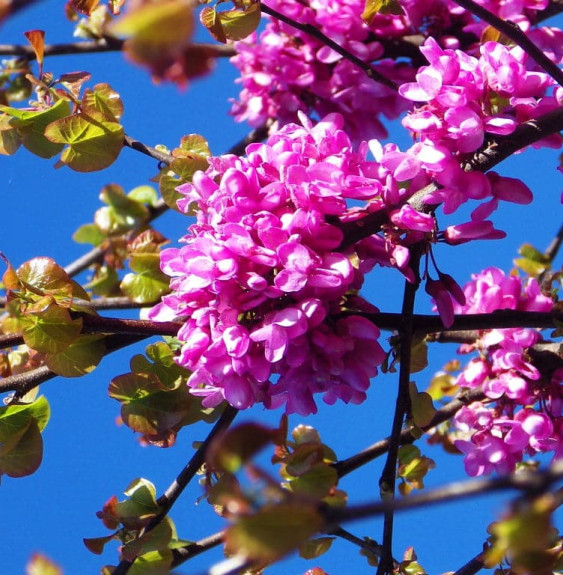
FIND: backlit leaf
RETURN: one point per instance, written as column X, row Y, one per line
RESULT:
column 422, row 408
column 238, row 24
column 32, row 125
column 51, row 330
column 23, row 458
column 84, row 6
column 102, row 103
column 79, row 358
column 92, row 145
column 153, row 563
column 374, row 7
column 10, row 139
column 37, row 40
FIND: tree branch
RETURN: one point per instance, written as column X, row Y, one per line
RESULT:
column 472, row 566
column 182, row 554
column 402, row 407
column 99, row 46
column 310, row 30
column 530, row 483
column 517, row 35
column 171, row 495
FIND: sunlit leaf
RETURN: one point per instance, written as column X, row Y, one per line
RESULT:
column 97, row 544
column 422, row 408
column 102, row 104
column 51, row 330
column 154, row 540
column 10, row 139
column 37, row 40
column 317, row 481
column 92, row 145
column 32, row 127
column 153, row 563
column 79, row 358
column 238, row 24
column 149, row 283
column 374, row 7
column 89, row 234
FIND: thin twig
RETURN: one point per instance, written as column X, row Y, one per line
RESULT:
column 370, row 71
column 102, row 45
column 402, row 407
column 472, row 566
column 517, row 35
column 553, row 248
column 170, row 496
column 182, row 554
column 366, row 543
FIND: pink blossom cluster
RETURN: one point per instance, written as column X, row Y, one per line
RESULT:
column 463, row 96
column 285, row 70
column 261, row 283
column 523, row 412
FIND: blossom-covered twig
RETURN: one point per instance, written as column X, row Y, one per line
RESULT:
column 370, row 71
column 517, row 35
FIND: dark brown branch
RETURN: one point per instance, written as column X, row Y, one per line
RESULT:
column 517, row 35
column 530, row 483
column 402, row 407
column 170, row 496
column 555, row 245
column 472, row 566
column 99, row 46
column 370, row 71
column 112, row 325
column 182, row 554
column 555, row 7
column 374, row 451
column 148, row 150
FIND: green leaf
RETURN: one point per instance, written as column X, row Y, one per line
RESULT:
column 272, row 532
column 79, row 358
column 154, row 540
column 43, row 276
column 419, row 355
column 33, row 124
column 51, row 330
column 422, row 408
column 92, row 145
column 89, row 234
column 14, row 418
column 238, row 24
column 180, row 171
column 149, row 284
column 317, row 482
column 133, row 513
column 10, row 140
column 122, row 213
column 314, row 548
column 144, row 195
column 102, row 104
column 153, row 563
column 24, row 457
column 374, row 7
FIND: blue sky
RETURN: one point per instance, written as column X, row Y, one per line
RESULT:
column 88, row 457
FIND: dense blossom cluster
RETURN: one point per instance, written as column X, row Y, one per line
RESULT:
column 523, row 413
column 284, row 70
column 261, row 282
